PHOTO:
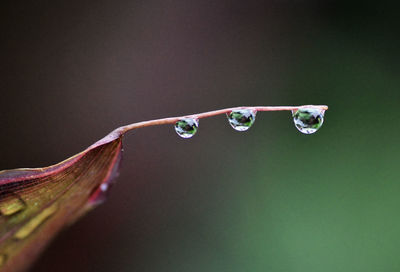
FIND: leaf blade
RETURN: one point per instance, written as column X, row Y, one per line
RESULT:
column 35, row 204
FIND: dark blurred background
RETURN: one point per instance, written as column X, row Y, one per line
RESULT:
column 270, row 199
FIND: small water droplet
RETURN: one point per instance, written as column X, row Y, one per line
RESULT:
column 242, row 119
column 308, row 120
column 187, row 127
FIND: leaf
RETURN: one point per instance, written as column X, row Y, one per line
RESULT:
column 35, row 204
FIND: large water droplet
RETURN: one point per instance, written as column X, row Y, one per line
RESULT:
column 308, row 120
column 241, row 119
column 187, row 127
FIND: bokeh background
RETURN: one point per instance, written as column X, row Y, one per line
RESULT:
column 270, row 199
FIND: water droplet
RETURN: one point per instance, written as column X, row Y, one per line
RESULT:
column 242, row 119
column 187, row 127
column 308, row 120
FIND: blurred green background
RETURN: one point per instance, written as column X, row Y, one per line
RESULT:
column 270, row 199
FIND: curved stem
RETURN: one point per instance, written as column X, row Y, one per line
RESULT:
column 173, row 120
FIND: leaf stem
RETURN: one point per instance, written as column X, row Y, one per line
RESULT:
column 173, row 120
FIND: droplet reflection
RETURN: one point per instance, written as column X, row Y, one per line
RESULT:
column 241, row 119
column 187, row 127
column 308, row 120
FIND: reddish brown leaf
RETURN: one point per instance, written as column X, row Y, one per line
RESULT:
column 35, row 204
